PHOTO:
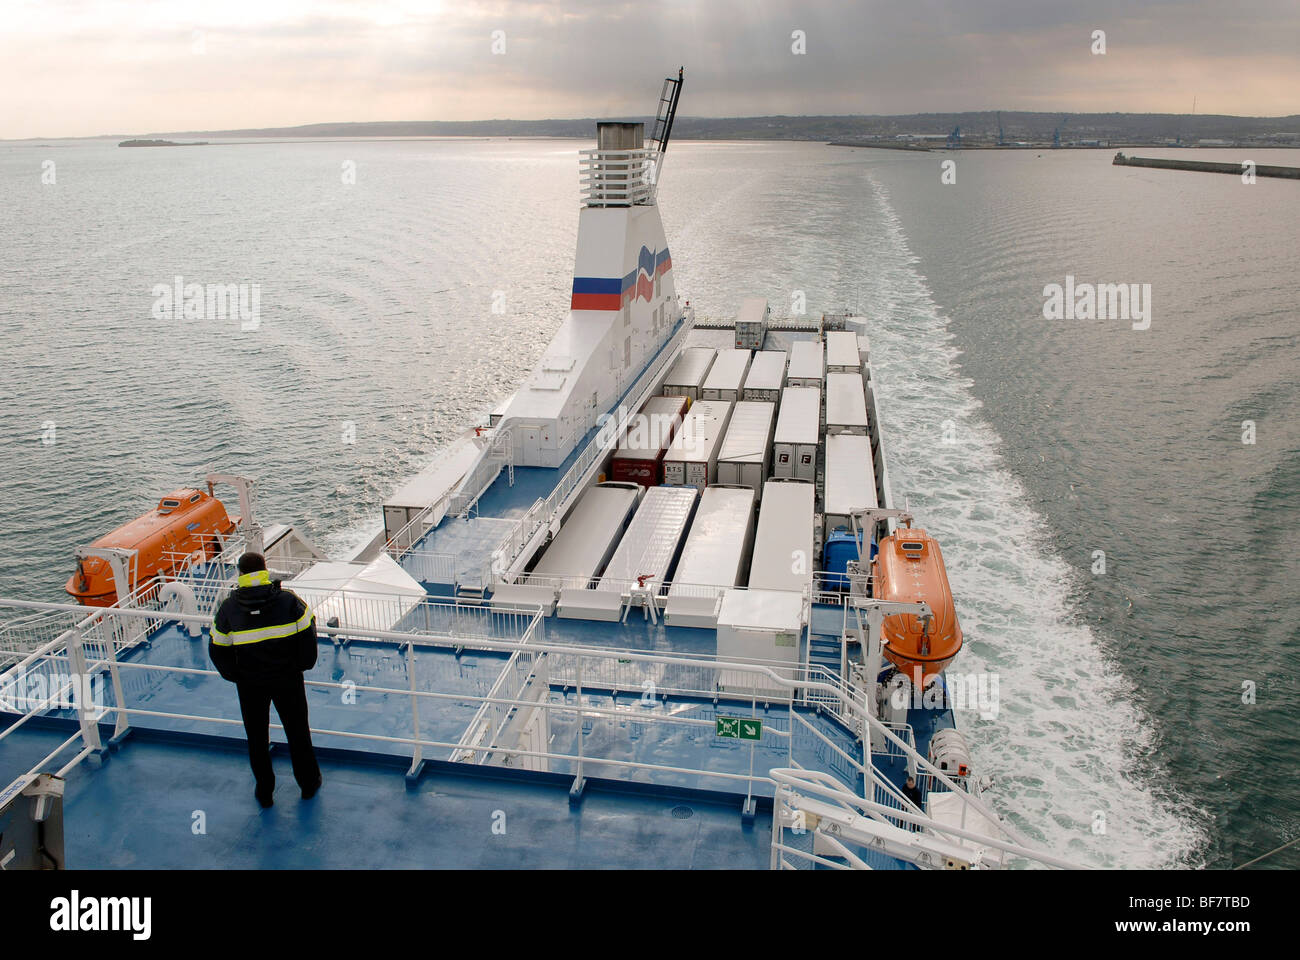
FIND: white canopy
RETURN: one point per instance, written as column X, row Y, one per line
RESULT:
column 372, row 597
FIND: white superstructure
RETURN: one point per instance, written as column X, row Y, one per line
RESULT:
column 623, row 306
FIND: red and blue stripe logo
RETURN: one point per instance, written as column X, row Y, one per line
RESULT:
column 600, row 293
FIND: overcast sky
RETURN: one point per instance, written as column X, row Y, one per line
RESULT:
column 85, row 67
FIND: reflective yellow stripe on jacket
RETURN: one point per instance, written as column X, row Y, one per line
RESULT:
column 258, row 634
column 264, row 633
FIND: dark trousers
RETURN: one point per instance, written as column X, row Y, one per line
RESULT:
column 290, row 699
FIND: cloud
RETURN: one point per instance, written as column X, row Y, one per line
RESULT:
column 83, row 68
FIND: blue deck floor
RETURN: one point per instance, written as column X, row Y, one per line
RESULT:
column 140, row 810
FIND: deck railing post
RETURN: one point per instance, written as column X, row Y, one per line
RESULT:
column 80, row 689
column 417, row 755
column 123, row 721
column 578, row 685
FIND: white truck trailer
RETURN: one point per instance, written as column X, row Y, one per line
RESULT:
column 713, row 559
column 798, row 430
column 746, row 453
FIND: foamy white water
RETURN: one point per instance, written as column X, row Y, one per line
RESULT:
column 1069, row 747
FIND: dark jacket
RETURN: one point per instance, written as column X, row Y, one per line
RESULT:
column 262, row 634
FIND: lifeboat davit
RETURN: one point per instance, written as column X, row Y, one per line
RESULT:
column 909, row 568
column 185, row 523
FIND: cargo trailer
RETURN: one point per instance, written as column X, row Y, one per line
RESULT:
column 588, row 536
column 806, row 367
column 842, row 352
column 726, row 375
column 797, row 433
column 846, row 403
column 783, row 545
column 746, row 452
column 689, row 372
column 653, row 539
column 713, row 559
column 850, row 480
column 648, row 550
column 751, row 323
column 639, row 457
column 427, row 494
column 692, row 457
column 766, row 376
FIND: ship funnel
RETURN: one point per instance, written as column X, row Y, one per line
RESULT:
column 620, row 171
column 613, row 135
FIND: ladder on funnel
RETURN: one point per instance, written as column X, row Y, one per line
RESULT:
column 663, row 127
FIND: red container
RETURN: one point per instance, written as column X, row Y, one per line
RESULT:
column 640, row 456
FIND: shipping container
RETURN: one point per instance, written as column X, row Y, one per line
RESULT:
column 806, row 366
column 639, row 457
column 798, row 429
column 850, row 480
column 751, row 323
column 689, row 372
column 589, row 534
column 846, row 404
column 842, row 352
column 783, row 545
column 766, row 376
column 713, row 558
column 427, row 494
column 746, row 452
column 726, row 375
column 692, row 457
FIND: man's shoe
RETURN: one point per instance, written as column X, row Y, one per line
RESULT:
column 310, row 791
column 263, row 798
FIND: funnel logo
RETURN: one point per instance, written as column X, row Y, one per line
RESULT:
column 598, row 293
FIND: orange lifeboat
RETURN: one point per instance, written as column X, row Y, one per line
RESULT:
column 909, row 568
column 185, row 523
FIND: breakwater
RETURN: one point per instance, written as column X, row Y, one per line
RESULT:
column 1207, row 166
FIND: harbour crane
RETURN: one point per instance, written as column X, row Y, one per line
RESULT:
column 954, row 138
column 1056, row 134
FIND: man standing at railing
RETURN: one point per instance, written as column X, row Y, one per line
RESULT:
column 913, row 793
column 263, row 640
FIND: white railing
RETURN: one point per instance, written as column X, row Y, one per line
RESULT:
column 413, row 532
column 489, row 723
column 498, row 454
column 815, row 819
column 616, row 178
column 428, row 567
column 21, row 635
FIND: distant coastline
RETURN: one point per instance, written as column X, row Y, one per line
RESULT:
column 1008, row 129
column 161, row 143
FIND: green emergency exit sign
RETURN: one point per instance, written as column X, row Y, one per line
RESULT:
column 739, row 728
